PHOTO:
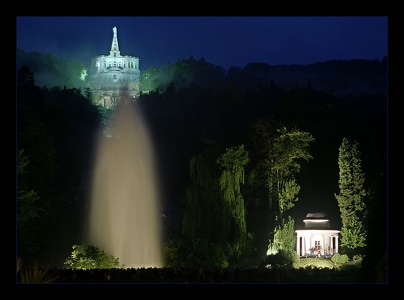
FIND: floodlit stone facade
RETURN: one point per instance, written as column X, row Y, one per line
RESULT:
column 114, row 74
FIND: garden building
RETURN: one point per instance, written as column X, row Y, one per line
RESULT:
column 317, row 238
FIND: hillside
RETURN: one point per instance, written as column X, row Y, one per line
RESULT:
column 337, row 77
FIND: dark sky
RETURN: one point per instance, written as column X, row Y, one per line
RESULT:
column 224, row 41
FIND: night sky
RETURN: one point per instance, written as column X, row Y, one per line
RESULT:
column 224, row 41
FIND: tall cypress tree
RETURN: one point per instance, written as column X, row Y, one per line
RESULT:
column 351, row 196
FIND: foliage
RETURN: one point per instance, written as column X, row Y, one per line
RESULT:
column 25, row 77
column 283, row 258
column 233, row 162
column 172, row 257
column 351, row 196
column 353, row 233
column 35, row 172
column 34, row 273
column 288, row 195
column 201, row 196
column 182, row 74
column 282, row 149
column 214, row 226
column 195, row 253
column 148, row 80
column 290, row 146
column 55, row 131
column 357, row 258
column 319, row 263
column 339, row 259
column 351, row 268
column 284, row 237
column 27, row 210
column 86, row 257
column 51, row 70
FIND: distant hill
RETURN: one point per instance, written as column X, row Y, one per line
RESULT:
column 338, row 77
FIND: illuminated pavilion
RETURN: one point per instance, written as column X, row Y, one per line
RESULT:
column 316, row 237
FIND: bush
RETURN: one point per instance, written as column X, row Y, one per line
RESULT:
column 320, row 263
column 282, row 258
column 339, row 259
column 85, row 257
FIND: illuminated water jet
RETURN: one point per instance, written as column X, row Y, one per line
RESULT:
column 125, row 220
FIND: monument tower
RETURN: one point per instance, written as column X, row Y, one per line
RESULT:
column 112, row 74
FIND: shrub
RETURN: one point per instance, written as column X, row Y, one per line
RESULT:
column 85, row 257
column 339, row 259
column 282, row 258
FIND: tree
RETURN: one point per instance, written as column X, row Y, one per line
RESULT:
column 284, row 237
column 233, row 162
column 351, row 196
column 288, row 195
column 282, row 150
column 35, row 176
column 25, row 77
column 86, row 257
column 203, row 234
column 28, row 210
column 202, row 196
column 214, row 226
column 151, row 79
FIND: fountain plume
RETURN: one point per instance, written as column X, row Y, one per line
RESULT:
column 125, row 218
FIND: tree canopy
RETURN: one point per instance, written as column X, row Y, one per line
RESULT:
column 87, row 257
column 351, row 196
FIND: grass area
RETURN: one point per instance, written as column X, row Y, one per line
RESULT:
column 319, row 262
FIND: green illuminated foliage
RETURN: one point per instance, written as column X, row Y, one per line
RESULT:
column 351, row 196
column 284, row 237
column 51, row 70
column 233, row 162
column 214, row 225
column 281, row 258
column 28, row 209
column 85, row 257
column 288, row 195
column 149, row 79
column 283, row 150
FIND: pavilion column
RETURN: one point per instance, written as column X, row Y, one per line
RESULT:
column 336, row 244
column 329, row 245
column 322, row 249
column 298, row 244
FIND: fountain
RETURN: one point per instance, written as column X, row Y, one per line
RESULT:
column 125, row 218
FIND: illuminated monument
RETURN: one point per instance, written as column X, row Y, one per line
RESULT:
column 113, row 73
